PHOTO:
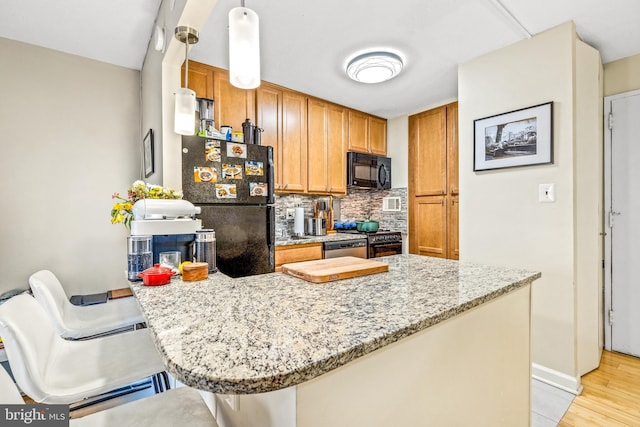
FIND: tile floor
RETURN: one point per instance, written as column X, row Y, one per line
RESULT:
column 548, row 404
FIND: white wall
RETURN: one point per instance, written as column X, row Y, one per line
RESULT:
column 70, row 137
column 161, row 78
column 501, row 220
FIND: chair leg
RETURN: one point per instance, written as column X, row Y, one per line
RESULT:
column 165, row 376
column 156, row 386
column 122, row 391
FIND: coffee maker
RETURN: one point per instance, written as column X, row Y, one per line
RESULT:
column 204, row 114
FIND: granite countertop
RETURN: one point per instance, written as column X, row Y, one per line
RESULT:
column 284, row 241
column 263, row 333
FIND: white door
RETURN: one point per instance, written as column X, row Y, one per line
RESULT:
column 624, row 217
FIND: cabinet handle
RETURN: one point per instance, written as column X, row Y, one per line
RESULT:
column 442, row 202
column 285, row 186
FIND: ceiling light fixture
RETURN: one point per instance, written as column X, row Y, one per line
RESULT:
column 244, row 48
column 184, row 121
column 374, row 67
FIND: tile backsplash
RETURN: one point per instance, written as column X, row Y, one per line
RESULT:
column 356, row 205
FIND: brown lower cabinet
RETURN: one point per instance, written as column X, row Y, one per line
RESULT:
column 433, row 182
column 297, row 253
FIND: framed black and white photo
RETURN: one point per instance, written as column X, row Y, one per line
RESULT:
column 147, row 154
column 517, row 138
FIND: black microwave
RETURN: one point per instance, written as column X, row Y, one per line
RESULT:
column 368, row 171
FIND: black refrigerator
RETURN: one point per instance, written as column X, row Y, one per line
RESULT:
column 233, row 184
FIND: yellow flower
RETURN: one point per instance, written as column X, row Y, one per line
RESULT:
column 122, row 212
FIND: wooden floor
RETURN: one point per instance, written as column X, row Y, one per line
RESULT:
column 611, row 395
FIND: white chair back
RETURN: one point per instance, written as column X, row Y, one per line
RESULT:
column 49, row 292
column 9, row 394
column 28, row 339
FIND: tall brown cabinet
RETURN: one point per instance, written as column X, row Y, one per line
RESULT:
column 433, row 182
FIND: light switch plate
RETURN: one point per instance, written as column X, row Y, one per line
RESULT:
column 547, row 193
column 291, row 213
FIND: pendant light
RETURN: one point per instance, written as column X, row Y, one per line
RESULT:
column 244, row 48
column 184, row 121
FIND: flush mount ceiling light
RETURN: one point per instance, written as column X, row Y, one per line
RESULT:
column 244, row 48
column 184, row 121
column 374, row 67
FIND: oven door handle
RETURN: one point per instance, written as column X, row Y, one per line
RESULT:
column 384, row 245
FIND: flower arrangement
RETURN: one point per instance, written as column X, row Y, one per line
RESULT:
column 121, row 212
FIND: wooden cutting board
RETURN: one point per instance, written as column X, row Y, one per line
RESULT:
column 328, row 270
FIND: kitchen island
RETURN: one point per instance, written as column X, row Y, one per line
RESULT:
column 431, row 342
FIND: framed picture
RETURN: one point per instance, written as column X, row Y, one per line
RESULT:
column 518, row 138
column 147, row 153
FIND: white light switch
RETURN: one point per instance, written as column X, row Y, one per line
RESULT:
column 547, row 193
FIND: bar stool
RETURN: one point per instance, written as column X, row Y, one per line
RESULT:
column 75, row 322
column 181, row 406
column 50, row 369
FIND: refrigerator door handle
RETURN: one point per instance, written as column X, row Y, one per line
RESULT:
column 270, row 225
column 271, row 178
column 271, row 236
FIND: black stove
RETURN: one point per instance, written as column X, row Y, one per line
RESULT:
column 381, row 242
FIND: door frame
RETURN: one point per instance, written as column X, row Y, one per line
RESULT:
column 607, row 208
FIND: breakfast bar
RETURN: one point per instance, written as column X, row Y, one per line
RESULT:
column 447, row 342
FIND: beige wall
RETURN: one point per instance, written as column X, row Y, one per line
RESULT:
column 397, row 149
column 501, row 220
column 70, row 137
column 622, row 75
column 588, row 222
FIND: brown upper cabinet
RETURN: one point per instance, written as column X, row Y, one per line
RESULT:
column 433, row 182
column 232, row 106
column 367, row 133
column 283, row 116
column 309, row 136
column 327, row 142
column 200, row 79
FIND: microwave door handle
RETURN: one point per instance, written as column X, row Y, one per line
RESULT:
column 382, row 176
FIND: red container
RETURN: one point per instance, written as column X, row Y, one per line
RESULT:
column 156, row 275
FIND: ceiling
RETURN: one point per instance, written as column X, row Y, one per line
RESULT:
column 305, row 44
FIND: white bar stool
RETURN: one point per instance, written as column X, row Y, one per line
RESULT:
column 181, row 406
column 75, row 322
column 50, row 369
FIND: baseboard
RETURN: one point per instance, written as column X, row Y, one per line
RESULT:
column 556, row 379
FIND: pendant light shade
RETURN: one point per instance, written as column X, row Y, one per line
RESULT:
column 244, row 48
column 184, row 122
